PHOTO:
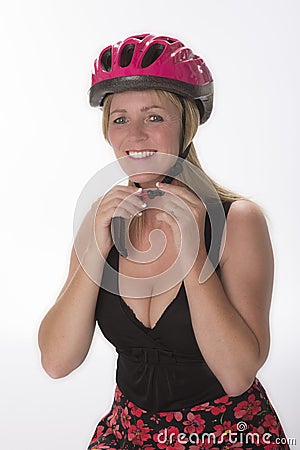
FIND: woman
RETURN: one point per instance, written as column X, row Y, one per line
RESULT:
column 188, row 348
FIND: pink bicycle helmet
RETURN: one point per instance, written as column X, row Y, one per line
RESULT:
column 152, row 62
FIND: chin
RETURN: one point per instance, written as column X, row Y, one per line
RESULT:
column 144, row 181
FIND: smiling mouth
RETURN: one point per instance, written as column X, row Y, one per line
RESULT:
column 140, row 154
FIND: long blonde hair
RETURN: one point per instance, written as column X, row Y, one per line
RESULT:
column 191, row 126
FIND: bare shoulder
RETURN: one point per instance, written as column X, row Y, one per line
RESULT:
column 244, row 211
column 246, row 229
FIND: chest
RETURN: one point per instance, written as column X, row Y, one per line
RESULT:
column 148, row 288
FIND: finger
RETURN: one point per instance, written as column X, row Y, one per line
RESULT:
column 124, row 212
column 179, row 209
column 183, row 193
column 123, row 190
column 129, row 189
column 116, row 209
column 119, row 200
column 113, row 208
column 125, row 196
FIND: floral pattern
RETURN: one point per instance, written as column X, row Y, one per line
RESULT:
column 246, row 422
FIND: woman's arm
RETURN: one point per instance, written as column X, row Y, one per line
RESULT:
column 66, row 332
column 230, row 317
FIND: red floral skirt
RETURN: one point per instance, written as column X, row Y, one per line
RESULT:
column 246, row 422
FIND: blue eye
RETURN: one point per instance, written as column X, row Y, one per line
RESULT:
column 120, row 120
column 156, row 118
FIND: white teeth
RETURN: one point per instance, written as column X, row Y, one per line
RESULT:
column 140, row 154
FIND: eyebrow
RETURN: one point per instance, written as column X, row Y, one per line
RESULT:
column 144, row 109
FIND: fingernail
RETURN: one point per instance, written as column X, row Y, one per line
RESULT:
column 139, row 214
column 139, row 189
column 157, row 184
column 144, row 205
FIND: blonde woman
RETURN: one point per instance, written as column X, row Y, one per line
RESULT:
column 188, row 350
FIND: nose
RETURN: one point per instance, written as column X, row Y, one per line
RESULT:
column 137, row 131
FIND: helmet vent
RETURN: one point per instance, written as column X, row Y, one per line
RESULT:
column 126, row 55
column 171, row 41
column 140, row 38
column 106, row 60
column 166, row 39
column 152, row 54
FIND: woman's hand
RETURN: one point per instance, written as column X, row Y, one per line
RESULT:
column 118, row 201
column 185, row 214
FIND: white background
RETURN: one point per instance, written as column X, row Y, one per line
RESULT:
column 51, row 145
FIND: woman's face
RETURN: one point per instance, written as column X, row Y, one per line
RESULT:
column 143, row 125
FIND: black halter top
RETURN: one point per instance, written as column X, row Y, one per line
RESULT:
column 160, row 368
